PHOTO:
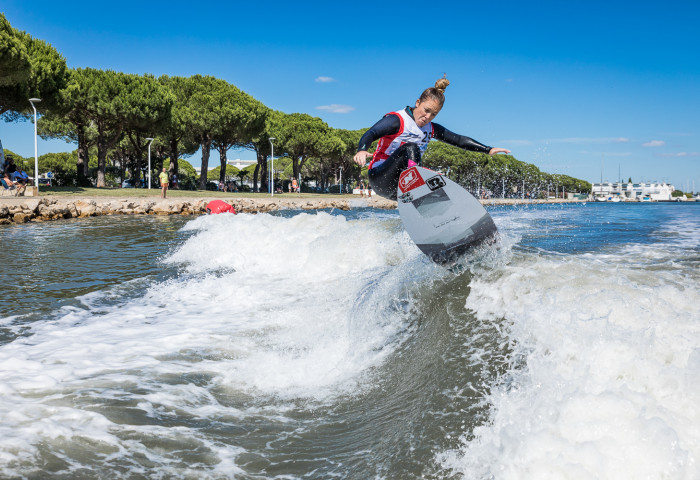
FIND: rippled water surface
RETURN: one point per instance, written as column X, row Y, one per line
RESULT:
column 326, row 345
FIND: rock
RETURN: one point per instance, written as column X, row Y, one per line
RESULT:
column 175, row 208
column 21, row 218
column 30, row 205
column 86, row 209
column 160, row 208
column 143, row 207
column 82, row 206
column 50, row 208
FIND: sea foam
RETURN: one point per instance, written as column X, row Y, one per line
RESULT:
column 608, row 386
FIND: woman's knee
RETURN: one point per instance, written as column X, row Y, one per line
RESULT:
column 413, row 149
column 410, row 152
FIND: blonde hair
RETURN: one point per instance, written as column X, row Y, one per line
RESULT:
column 437, row 92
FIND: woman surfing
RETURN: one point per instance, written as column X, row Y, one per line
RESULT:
column 403, row 137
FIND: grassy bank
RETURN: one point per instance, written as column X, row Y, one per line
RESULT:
column 155, row 193
column 76, row 193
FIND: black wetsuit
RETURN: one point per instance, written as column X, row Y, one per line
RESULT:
column 384, row 177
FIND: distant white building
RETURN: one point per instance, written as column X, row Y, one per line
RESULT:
column 633, row 191
column 238, row 163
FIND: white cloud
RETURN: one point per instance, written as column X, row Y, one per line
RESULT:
column 654, row 143
column 620, row 140
column 336, row 108
column 324, row 79
column 679, row 154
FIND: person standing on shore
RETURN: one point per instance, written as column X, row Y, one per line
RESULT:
column 163, row 183
column 403, row 137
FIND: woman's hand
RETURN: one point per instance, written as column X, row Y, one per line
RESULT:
column 494, row 151
column 360, row 157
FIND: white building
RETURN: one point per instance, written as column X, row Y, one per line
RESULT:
column 238, row 163
column 633, row 191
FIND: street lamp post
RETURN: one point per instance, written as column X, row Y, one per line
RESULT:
column 150, row 141
column 36, row 150
column 272, row 169
column 341, row 181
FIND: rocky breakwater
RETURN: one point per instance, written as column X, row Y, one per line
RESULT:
column 20, row 210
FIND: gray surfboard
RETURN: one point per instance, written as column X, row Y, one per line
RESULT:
column 442, row 218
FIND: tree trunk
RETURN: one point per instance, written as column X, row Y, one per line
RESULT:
column 138, row 163
column 101, row 160
column 222, row 159
column 296, row 168
column 262, row 166
column 104, row 143
column 255, row 177
column 137, row 160
column 174, row 154
column 82, row 165
column 206, row 149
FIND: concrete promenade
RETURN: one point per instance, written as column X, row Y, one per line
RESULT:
column 56, row 207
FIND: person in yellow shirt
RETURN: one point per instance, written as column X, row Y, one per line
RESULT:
column 163, row 183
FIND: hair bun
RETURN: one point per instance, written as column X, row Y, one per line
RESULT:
column 442, row 83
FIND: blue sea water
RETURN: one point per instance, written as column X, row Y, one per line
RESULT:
column 320, row 345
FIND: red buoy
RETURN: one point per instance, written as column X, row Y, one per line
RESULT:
column 219, row 206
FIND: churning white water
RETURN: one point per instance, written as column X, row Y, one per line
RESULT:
column 608, row 354
column 326, row 345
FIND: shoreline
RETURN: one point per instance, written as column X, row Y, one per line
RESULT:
column 57, row 207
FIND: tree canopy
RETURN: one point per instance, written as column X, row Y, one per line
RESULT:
column 29, row 68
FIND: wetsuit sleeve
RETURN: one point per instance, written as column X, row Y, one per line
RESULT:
column 444, row 135
column 389, row 125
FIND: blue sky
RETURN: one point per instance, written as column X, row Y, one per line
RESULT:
column 569, row 86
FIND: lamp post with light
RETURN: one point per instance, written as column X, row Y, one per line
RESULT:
column 272, row 169
column 150, row 141
column 36, row 150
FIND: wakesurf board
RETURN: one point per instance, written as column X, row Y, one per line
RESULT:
column 441, row 217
